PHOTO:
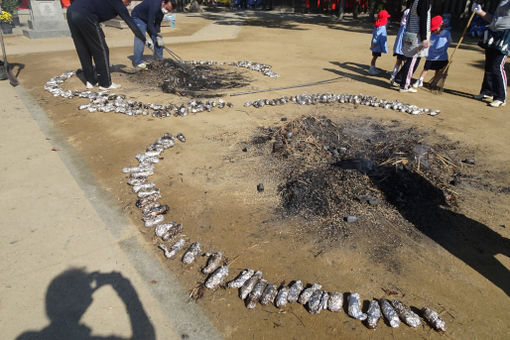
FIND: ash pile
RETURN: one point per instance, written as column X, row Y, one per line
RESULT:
column 360, row 179
column 194, row 80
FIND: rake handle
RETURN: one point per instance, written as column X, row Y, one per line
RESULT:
column 461, row 38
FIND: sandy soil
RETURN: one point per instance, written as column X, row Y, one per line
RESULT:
column 210, row 183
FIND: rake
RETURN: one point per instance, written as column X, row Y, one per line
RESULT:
column 437, row 83
column 175, row 58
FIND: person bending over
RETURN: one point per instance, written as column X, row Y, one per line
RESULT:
column 84, row 18
column 148, row 16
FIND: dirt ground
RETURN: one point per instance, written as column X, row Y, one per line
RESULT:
column 463, row 272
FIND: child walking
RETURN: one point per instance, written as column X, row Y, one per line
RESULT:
column 397, row 47
column 379, row 40
column 438, row 55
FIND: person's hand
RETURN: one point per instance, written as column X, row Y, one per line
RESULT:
column 159, row 40
column 477, row 8
column 149, row 44
column 425, row 44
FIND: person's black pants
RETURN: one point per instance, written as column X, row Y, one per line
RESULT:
column 494, row 78
column 405, row 74
column 90, row 44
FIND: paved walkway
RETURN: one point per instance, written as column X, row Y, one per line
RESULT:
column 19, row 44
column 72, row 265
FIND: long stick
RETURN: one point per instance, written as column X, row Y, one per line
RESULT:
column 461, row 37
column 12, row 78
column 287, row 87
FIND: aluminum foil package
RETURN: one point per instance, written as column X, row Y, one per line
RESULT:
column 154, row 212
column 168, row 231
column 433, row 318
column 373, row 314
column 268, row 295
column 354, row 308
column 149, row 206
column 192, row 252
column 212, row 263
column 256, row 294
column 143, row 186
column 324, row 300
column 314, row 305
column 281, row 299
column 307, row 293
column 336, row 301
column 155, row 221
column 239, row 281
column 389, row 313
column 174, row 249
column 217, row 277
column 249, row 284
column 294, row 290
column 143, row 194
column 406, row 314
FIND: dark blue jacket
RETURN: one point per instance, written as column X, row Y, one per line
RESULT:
column 104, row 10
column 149, row 11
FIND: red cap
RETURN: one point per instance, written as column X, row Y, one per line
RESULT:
column 435, row 23
column 382, row 18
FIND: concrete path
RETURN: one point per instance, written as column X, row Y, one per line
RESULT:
column 19, row 44
column 72, row 266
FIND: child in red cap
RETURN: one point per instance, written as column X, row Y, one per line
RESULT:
column 438, row 56
column 379, row 40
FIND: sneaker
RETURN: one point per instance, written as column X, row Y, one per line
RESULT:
column 482, row 96
column 497, row 103
column 113, row 86
column 418, row 83
column 393, row 83
column 142, row 66
column 90, row 86
column 411, row 89
column 373, row 71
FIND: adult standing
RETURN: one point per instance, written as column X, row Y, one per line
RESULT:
column 415, row 42
column 83, row 18
column 495, row 43
column 148, row 16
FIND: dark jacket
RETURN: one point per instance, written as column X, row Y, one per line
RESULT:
column 149, row 11
column 104, row 10
column 422, row 9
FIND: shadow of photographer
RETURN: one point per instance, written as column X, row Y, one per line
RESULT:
column 68, row 297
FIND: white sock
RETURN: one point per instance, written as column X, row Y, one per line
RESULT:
column 395, row 70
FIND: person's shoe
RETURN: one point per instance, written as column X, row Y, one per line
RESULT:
column 482, row 96
column 497, row 103
column 142, row 66
column 90, row 86
column 411, row 89
column 418, row 83
column 113, row 86
column 373, row 71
